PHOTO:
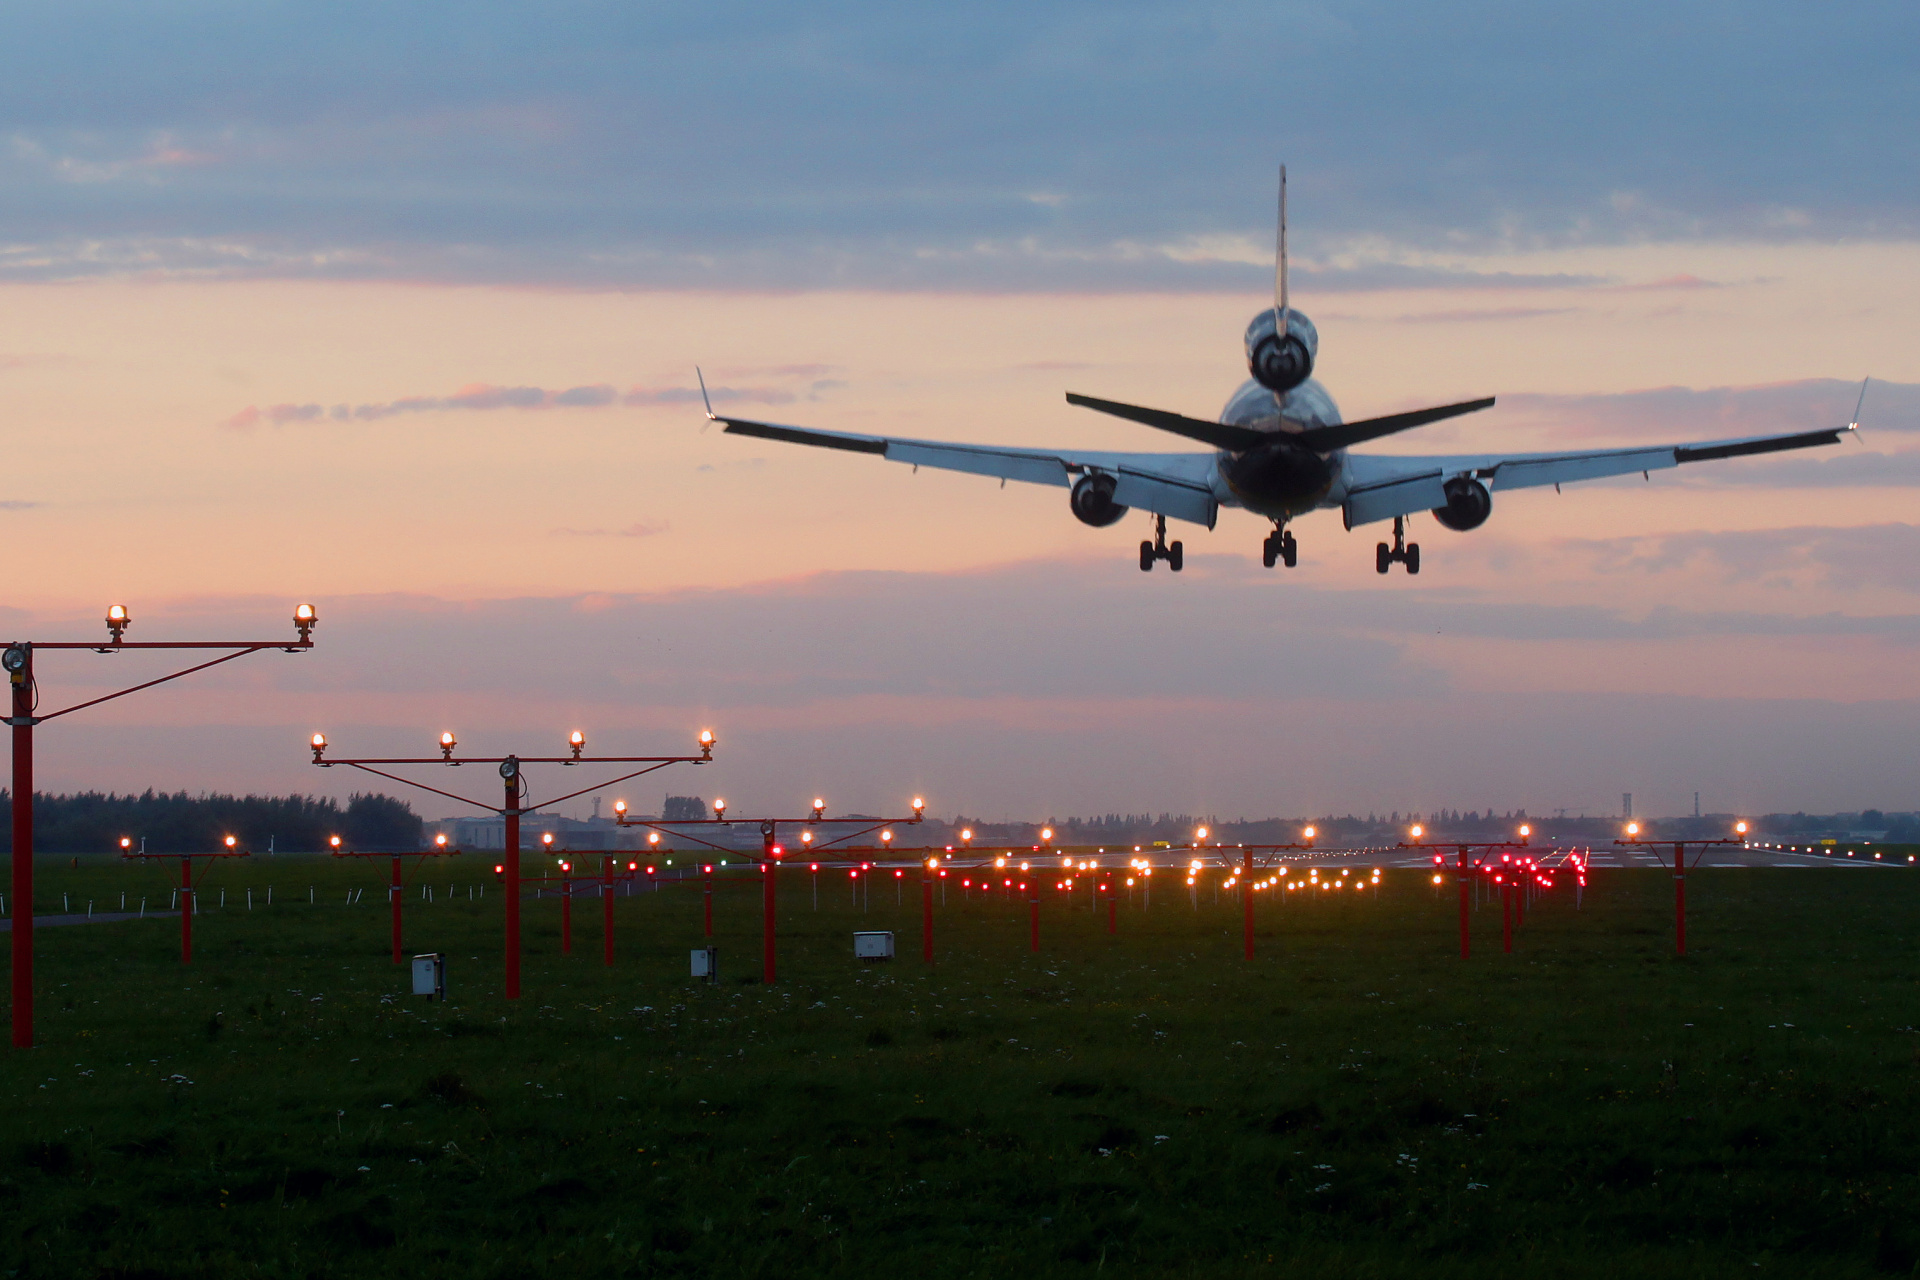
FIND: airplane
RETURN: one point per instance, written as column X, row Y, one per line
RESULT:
column 1281, row 450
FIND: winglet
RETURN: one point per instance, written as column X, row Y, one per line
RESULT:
column 1854, row 423
column 711, row 415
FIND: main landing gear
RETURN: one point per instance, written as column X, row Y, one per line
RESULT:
column 1160, row 549
column 1407, row 553
column 1280, row 545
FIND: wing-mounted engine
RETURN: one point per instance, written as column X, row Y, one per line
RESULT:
column 1281, row 361
column 1468, row 504
column 1092, row 500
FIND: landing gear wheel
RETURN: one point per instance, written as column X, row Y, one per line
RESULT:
column 1175, row 556
column 1382, row 557
column 1289, row 549
column 1269, row 552
column 1146, row 557
column 1413, row 557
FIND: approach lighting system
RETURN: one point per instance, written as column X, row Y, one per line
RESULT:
column 333, row 842
column 819, row 808
column 117, row 621
column 653, row 837
column 1633, row 828
column 440, row 841
column 510, row 768
column 1416, row 831
column 14, row 659
column 1046, row 833
column 619, row 808
column 447, row 744
column 575, row 741
column 546, row 839
column 719, row 808
column 231, row 842
column 706, row 744
column 1740, row 828
column 919, row 806
column 126, row 842
column 303, row 619
column 1308, row 834
column 1526, row 832
column 319, row 746
column 886, row 839
column 806, row 837
column 966, row 835
column 1200, row 834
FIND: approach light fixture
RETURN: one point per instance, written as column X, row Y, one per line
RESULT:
column 886, row 837
column 620, row 808
column 231, row 842
column 447, row 744
column 919, row 806
column 806, row 837
column 1201, row 833
column 303, row 619
column 333, row 842
column 966, row 835
column 1740, row 828
column 1046, row 833
column 1308, row 834
column 546, row 839
column 126, row 842
column 576, row 741
column 706, row 744
column 117, row 621
column 440, row 841
column 1633, row 828
column 719, row 808
column 819, row 807
column 510, row 768
column 1417, row 831
column 319, row 746
column 653, row 837
column 1525, row 831
column 14, row 659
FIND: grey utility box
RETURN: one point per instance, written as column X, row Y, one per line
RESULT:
column 873, row 946
column 706, row 963
column 430, row 976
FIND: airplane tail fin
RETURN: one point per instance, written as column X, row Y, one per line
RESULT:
column 1281, row 312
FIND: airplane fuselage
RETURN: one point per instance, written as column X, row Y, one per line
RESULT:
column 1283, row 478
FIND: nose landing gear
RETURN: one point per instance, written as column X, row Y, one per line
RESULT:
column 1280, row 545
column 1407, row 553
column 1160, row 549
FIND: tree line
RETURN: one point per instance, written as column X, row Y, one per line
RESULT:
column 95, row 822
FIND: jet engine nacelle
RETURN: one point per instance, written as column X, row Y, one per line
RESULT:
column 1093, row 503
column 1468, row 504
column 1280, row 362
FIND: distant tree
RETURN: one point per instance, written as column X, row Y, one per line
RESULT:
column 683, row 809
column 381, row 822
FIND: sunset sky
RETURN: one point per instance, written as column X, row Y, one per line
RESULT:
column 396, row 309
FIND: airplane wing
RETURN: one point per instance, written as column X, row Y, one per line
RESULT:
column 1379, row 488
column 1177, row 485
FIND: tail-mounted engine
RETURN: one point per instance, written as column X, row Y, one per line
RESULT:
column 1281, row 362
column 1092, row 500
column 1468, row 504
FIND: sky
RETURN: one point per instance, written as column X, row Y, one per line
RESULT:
column 396, row 309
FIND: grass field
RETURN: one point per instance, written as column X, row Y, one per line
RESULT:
column 1355, row 1102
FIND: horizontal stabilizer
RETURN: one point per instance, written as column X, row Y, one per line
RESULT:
column 1217, row 434
column 1342, row 435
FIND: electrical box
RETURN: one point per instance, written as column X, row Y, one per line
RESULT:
column 430, row 976
column 873, row 946
column 706, row 963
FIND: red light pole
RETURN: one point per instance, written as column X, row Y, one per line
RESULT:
column 926, row 912
column 17, row 661
column 1463, row 870
column 1307, row 836
column 1680, row 872
column 511, row 809
column 771, row 854
column 393, row 890
column 186, row 886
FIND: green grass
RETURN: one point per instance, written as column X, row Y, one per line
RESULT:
column 1355, row 1102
